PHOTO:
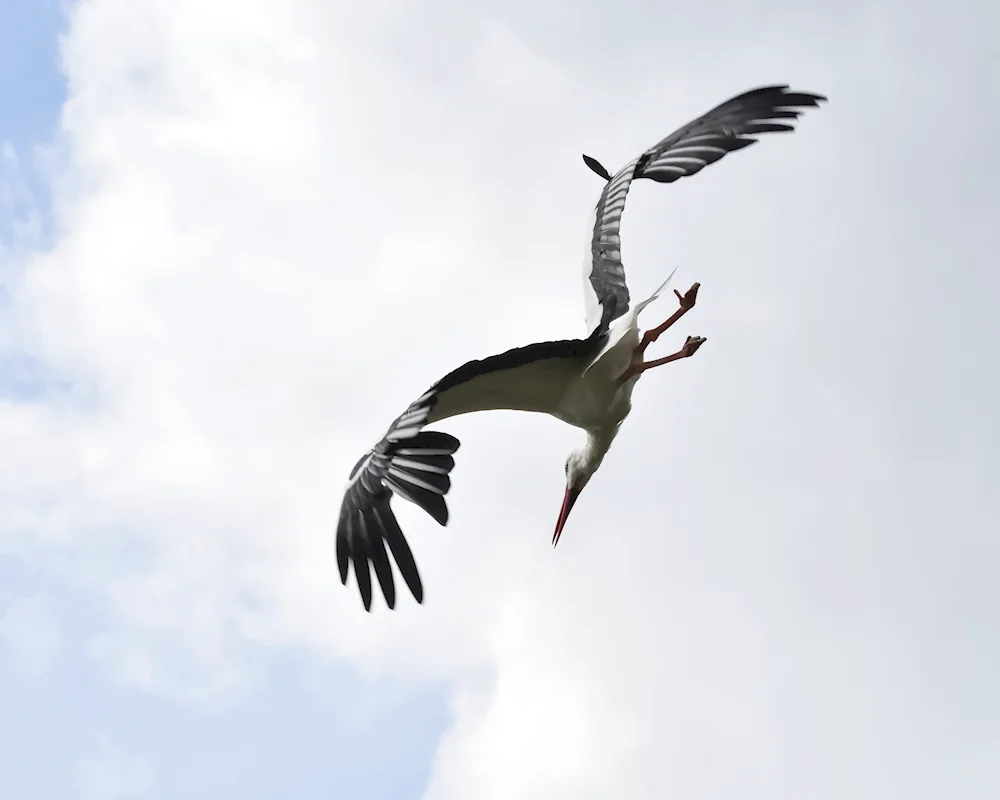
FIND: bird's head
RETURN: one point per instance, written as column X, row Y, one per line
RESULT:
column 580, row 468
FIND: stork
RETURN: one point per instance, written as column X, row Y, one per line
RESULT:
column 587, row 382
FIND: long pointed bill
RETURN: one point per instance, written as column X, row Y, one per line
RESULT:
column 569, row 499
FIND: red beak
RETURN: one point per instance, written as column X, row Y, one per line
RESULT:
column 569, row 499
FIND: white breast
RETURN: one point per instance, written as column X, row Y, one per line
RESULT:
column 597, row 399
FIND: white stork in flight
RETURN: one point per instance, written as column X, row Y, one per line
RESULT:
column 585, row 382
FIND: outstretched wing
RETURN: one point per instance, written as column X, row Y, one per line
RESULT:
column 728, row 127
column 415, row 464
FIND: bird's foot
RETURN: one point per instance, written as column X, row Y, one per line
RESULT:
column 691, row 345
column 689, row 298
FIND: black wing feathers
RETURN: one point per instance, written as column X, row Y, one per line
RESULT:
column 393, row 536
column 411, row 463
column 728, row 127
column 416, row 464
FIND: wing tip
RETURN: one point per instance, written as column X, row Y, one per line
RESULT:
column 783, row 88
column 363, row 550
column 597, row 167
column 799, row 98
column 442, row 515
column 367, row 523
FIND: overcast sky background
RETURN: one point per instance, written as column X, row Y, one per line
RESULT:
column 238, row 238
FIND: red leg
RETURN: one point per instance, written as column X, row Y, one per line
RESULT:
column 689, row 349
column 638, row 366
column 686, row 301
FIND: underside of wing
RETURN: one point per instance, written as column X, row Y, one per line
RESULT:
column 532, row 378
column 416, row 464
column 606, row 291
column 728, row 127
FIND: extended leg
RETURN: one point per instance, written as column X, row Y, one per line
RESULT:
column 638, row 366
column 689, row 349
column 686, row 302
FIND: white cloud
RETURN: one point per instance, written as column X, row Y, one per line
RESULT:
column 275, row 230
column 20, row 222
column 109, row 773
column 29, row 634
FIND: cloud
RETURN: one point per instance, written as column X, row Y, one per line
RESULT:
column 20, row 221
column 279, row 222
column 109, row 773
column 29, row 634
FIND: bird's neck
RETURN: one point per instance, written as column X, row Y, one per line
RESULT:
column 597, row 445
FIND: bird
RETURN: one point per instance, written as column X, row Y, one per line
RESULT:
column 586, row 382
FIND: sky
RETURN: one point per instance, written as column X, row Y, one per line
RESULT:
column 237, row 239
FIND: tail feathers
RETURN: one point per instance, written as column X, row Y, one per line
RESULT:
column 640, row 306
